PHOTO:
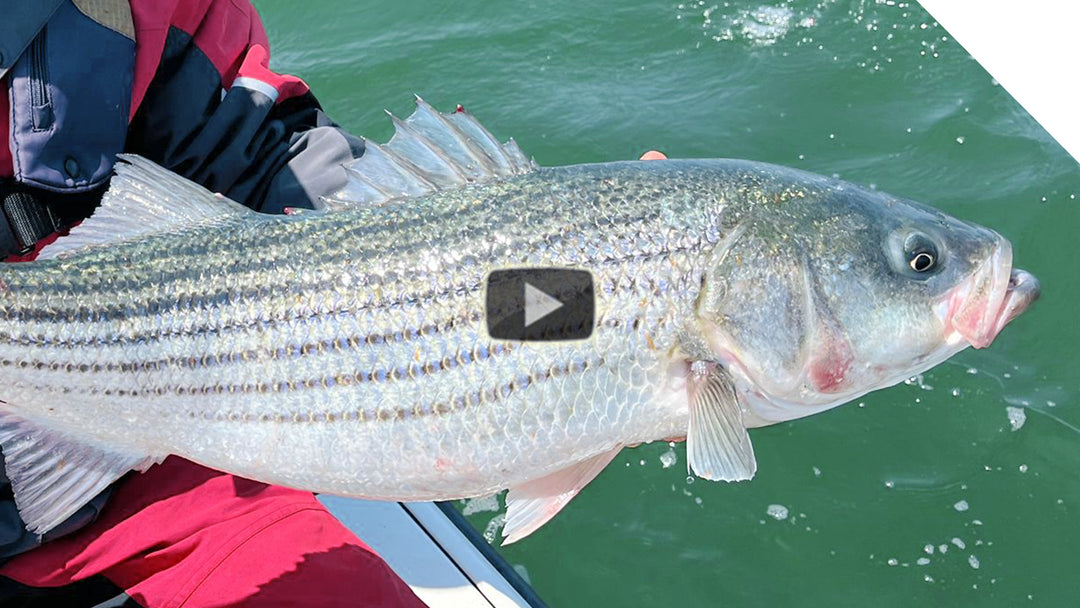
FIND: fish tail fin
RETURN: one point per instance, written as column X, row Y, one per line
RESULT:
column 53, row 474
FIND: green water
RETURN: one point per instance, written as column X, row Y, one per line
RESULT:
column 877, row 93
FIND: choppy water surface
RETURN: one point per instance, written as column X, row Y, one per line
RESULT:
column 957, row 488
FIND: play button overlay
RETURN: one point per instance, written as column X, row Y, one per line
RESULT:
column 539, row 304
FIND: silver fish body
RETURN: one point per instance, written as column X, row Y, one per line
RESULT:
column 346, row 351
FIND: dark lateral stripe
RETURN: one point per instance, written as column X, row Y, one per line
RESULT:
column 458, row 403
column 61, row 342
column 413, row 370
column 250, row 324
column 254, row 267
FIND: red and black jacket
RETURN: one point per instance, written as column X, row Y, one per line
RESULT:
column 185, row 83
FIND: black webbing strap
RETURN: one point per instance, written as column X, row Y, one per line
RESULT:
column 31, row 214
column 28, row 219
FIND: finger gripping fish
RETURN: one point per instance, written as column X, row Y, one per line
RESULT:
column 344, row 350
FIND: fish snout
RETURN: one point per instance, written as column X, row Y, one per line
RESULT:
column 1022, row 291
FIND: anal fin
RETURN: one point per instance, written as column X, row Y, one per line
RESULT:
column 534, row 503
column 718, row 447
column 53, row 474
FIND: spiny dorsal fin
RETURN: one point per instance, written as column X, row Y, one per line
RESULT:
column 144, row 199
column 429, row 151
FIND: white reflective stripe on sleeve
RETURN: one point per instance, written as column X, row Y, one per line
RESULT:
column 256, row 85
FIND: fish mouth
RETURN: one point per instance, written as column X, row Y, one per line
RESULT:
column 978, row 309
column 1022, row 290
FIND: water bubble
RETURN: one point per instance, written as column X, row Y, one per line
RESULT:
column 1017, row 417
column 668, row 458
column 973, row 561
column 959, row 543
column 943, row 548
column 817, row 472
column 1023, row 468
column 777, row 512
column 893, row 561
column 959, row 140
column 961, row 505
column 928, row 549
column 922, row 561
column 928, row 578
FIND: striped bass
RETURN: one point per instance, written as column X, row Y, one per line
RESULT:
column 344, row 350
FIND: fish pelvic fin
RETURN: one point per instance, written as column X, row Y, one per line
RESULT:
column 532, row 504
column 53, row 474
column 144, row 199
column 429, row 151
column 718, row 447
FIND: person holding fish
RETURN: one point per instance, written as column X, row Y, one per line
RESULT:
column 187, row 85
column 349, row 351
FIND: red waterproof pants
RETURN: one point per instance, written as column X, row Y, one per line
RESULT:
column 184, row 535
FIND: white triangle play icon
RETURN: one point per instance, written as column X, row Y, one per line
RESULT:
column 538, row 304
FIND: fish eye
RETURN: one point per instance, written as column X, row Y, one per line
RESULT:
column 921, row 253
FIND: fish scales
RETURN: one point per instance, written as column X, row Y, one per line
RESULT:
column 355, row 339
column 346, row 351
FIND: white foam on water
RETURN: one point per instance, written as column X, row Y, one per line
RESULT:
column 928, row 549
column 523, row 573
column 817, row 472
column 762, row 25
column 482, row 504
column 1017, row 417
column 961, row 506
column 922, row 561
column 777, row 512
column 959, row 543
column 493, row 527
column 973, row 561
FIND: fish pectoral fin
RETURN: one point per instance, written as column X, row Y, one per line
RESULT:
column 145, row 199
column 717, row 444
column 532, row 504
column 53, row 475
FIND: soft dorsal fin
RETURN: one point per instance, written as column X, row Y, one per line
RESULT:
column 429, row 151
column 144, row 199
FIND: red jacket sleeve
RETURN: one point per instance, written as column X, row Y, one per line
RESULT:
column 208, row 106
